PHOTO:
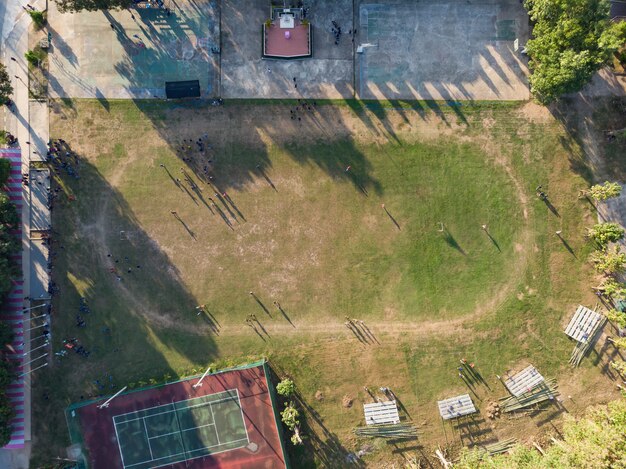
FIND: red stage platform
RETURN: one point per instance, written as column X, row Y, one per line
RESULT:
column 276, row 44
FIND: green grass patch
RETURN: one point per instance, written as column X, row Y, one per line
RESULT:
column 313, row 235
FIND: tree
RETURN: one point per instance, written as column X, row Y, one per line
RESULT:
column 286, row 387
column 613, row 289
column 5, row 171
column 92, row 5
column 617, row 317
column 620, row 367
column 610, row 262
column 603, row 233
column 290, row 416
column 6, row 415
column 38, row 17
column 598, row 440
column 571, row 40
column 620, row 342
column 6, row 90
column 605, row 191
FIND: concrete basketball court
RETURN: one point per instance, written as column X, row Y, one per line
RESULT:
column 135, row 58
column 442, row 49
column 328, row 74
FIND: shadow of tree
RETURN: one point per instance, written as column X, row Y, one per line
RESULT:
column 140, row 315
column 320, row 445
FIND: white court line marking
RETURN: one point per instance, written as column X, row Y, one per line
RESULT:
column 185, row 453
column 228, row 391
column 145, row 427
column 118, row 443
column 192, row 451
column 180, row 431
column 231, row 398
column 213, row 416
column 243, row 419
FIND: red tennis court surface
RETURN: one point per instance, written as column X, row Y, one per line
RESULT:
column 228, row 422
column 276, row 44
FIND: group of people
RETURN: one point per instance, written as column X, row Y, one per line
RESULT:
column 62, row 157
column 336, row 30
column 302, row 106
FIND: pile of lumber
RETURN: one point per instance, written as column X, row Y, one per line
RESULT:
column 398, row 431
column 498, row 447
column 546, row 391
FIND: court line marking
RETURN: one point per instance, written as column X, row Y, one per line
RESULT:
column 185, row 453
column 213, row 417
column 243, row 418
column 118, row 443
column 228, row 391
column 145, row 428
column 180, row 431
column 230, row 398
column 182, row 442
column 192, row 451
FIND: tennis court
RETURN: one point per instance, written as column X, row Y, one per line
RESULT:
column 181, row 431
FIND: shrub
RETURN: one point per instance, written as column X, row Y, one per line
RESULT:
column 605, row 191
column 286, row 387
column 38, row 17
column 604, row 233
column 36, row 56
column 609, row 262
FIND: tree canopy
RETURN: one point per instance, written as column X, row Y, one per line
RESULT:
column 9, row 245
column 596, row 441
column 571, row 40
column 91, row 5
column 6, row 90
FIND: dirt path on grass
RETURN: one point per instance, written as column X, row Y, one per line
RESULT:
column 431, row 127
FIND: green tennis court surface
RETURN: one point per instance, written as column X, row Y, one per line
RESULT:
column 180, row 431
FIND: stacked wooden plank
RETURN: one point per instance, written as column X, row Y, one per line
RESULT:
column 584, row 324
column 396, row 431
column 456, row 407
column 524, row 381
column 544, row 392
column 379, row 413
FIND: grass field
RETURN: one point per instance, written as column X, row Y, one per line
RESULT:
column 314, row 237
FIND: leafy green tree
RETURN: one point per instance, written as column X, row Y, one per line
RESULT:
column 613, row 289
column 605, row 191
column 290, row 416
column 620, row 342
column 571, row 40
column 6, row 414
column 6, row 90
column 620, row 367
column 5, row 171
column 596, row 441
column 610, row 262
column 296, row 438
column 286, row 387
column 604, row 233
column 38, row 17
column 617, row 317
column 92, row 5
